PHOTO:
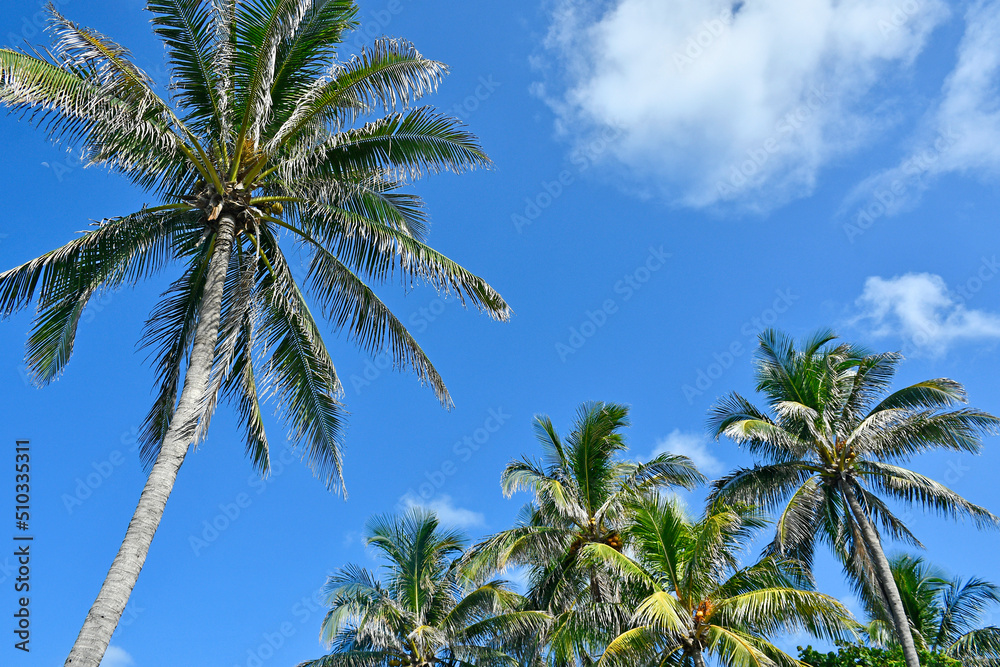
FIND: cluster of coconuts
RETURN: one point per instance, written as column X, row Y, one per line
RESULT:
column 614, row 540
column 704, row 609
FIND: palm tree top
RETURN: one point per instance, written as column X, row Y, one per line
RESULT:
column 583, row 475
column 699, row 599
column 832, row 413
column 423, row 610
column 267, row 127
column 946, row 614
column 834, row 444
column 266, row 135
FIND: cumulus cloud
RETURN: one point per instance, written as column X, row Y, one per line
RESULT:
column 116, row 656
column 694, row 446
column 447, row 513
column 961, row 133
column 736, row 103
column 920, row 309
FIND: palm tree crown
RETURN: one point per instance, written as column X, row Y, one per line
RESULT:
column 423, row 612
column 698, row 601
column 945, row 614
column 581, row 493
column 580, row 490
column 834, row 445
column 266, row 132
column 261, row 137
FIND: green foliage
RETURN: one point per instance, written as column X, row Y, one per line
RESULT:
column 423, row 611
column 835, row 442
column 859, row 655
column 581, row 493
column 946, row 615
column 266, row 125
column 698, row 598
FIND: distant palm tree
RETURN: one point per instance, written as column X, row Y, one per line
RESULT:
column 267, row 132
column 581, row 494
column 423, row 612
column 700, row 602
column 833, row 445
column 945, row 614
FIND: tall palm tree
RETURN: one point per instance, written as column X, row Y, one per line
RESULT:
column 698, row 600
column 833, row 450
column 945, row 614
column 423, row 611
column 266, row 132
column 581, row 492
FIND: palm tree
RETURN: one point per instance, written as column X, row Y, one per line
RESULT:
column 944, row 613
column 581, row 492
column 698, row 601
column 834, row 446
column 423, row 611
column 266, row 132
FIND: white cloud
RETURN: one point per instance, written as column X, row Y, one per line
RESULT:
column 447, row 513
column 919, row 308
column 961, row 133
column 694, row 446
column 710, row 106
column 116, row 656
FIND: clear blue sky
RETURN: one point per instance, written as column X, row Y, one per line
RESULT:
column 670, row 177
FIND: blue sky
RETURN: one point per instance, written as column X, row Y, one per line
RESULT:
column 670, row 178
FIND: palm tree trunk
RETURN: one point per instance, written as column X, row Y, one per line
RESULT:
column 699, row 660
column 107, row 609
column 888, row 583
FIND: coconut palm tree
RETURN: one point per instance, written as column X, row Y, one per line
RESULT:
column 834, row 448
column 945, row 614
column 266, row 132
column 423, row 611
column 698, row 601
column 581, row 492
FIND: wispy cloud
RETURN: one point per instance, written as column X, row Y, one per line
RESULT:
column 961, row 132
column 692, row 445
column 116, row 656
column 446, row 511
column 739, row 103
column 919, row 309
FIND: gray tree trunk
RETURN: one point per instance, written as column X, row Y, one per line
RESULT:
column 889, row 588
column 699, row 660
column 107, row 609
